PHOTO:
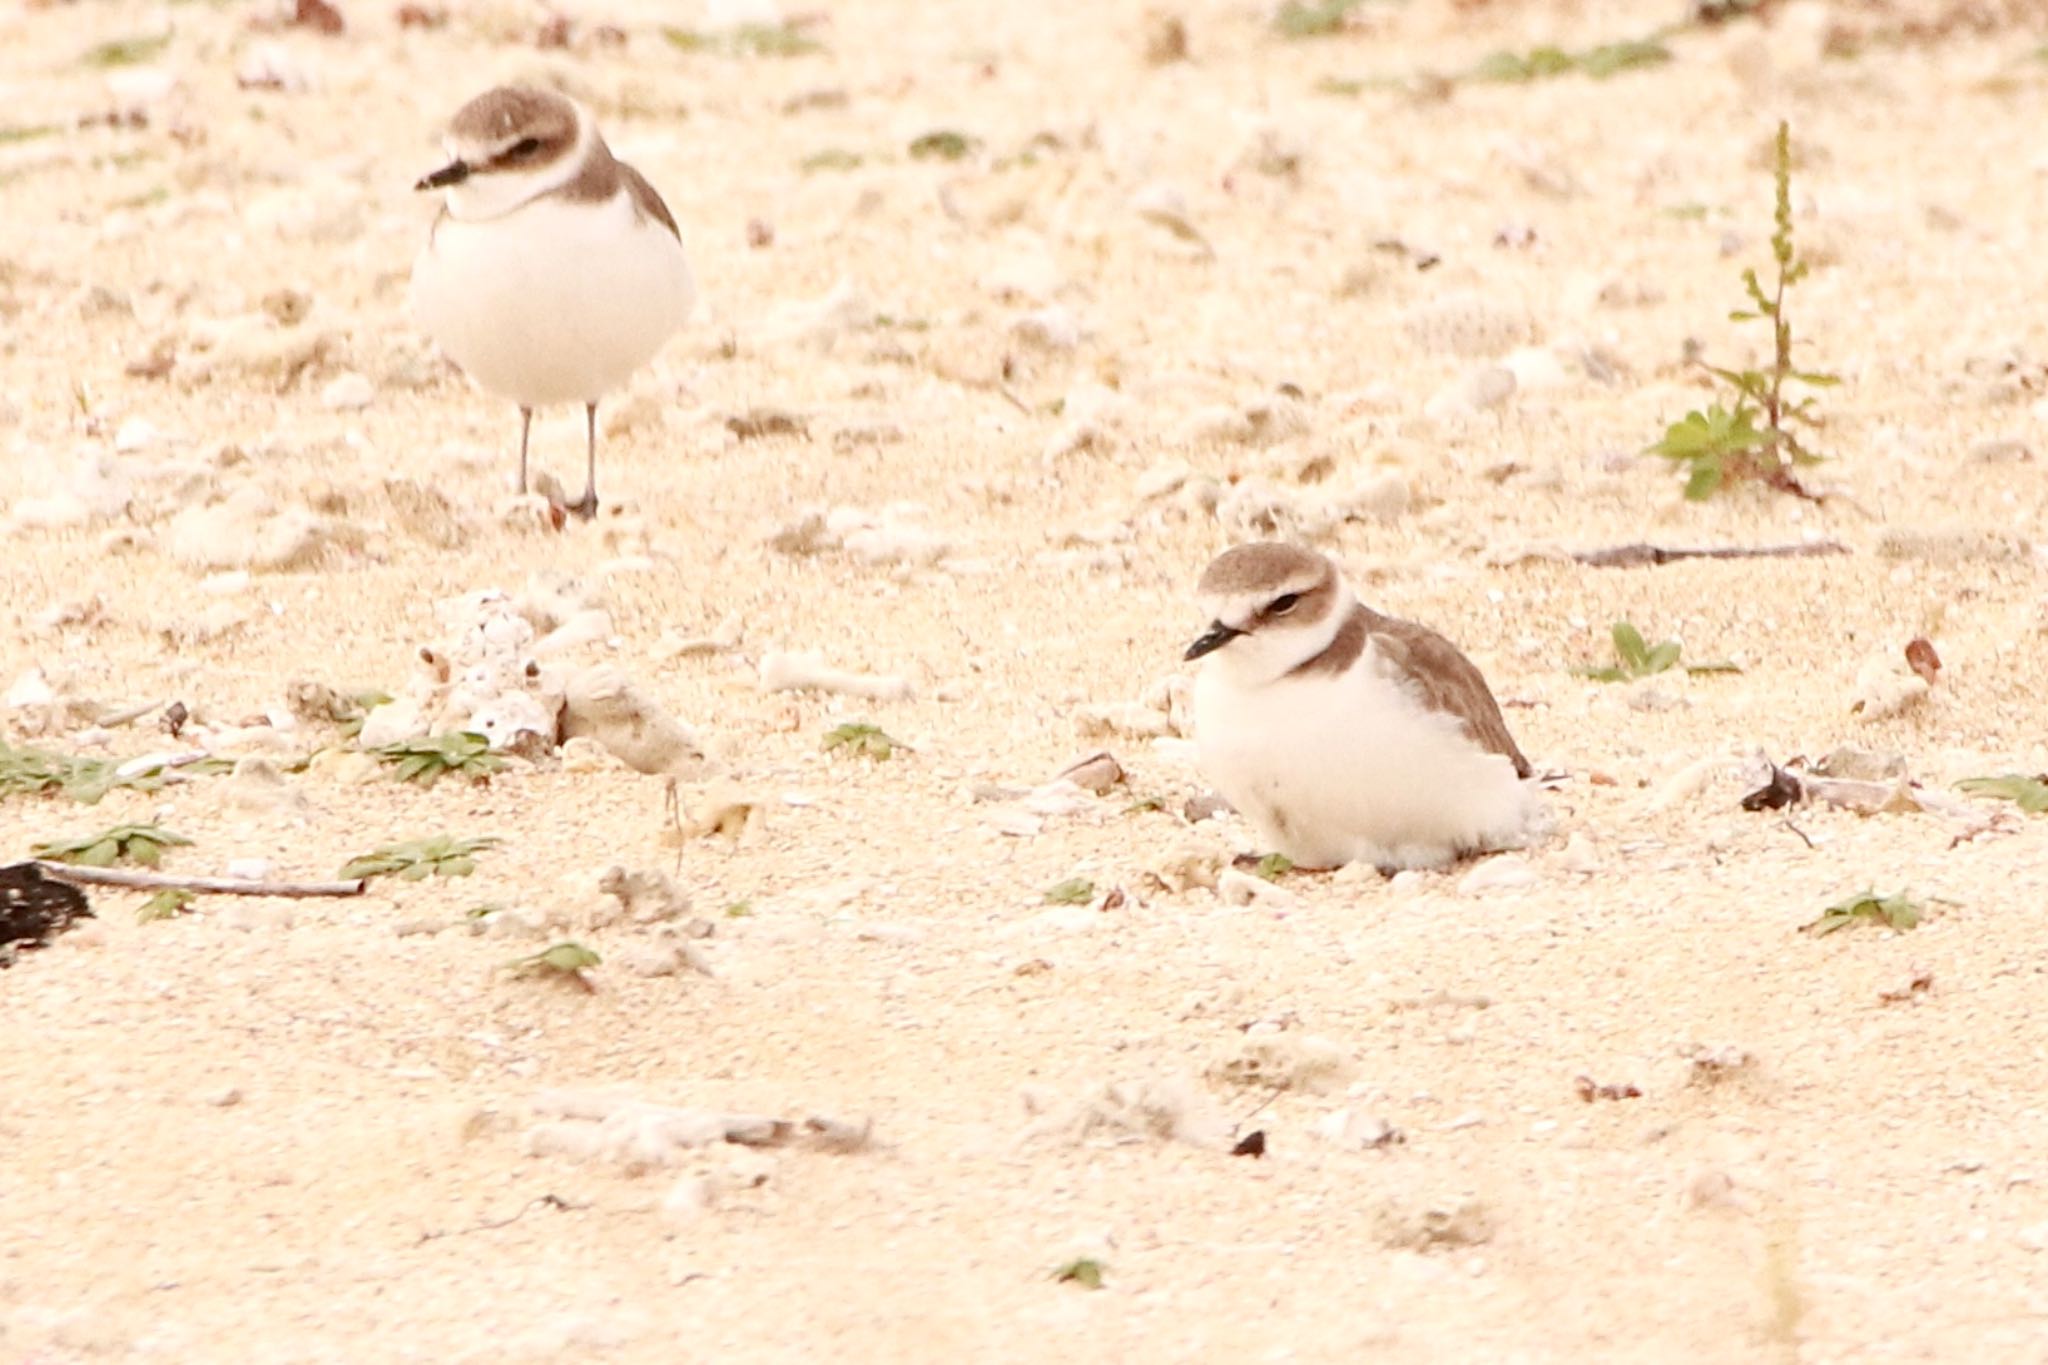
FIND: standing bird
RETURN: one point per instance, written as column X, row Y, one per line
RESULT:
column 554, row 269
column 1344, row 735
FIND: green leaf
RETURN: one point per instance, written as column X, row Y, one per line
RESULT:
column 1073, row 891
column 2029, row 793
column 1610, row 58
column 1273, row 867
column 126, row 51
column 558, row 959
column 1895, row 912
column 1629, row 646
column 1661, row 657
column 1705, row 479
column 1082, row 1270
column 166, row 904
column 863, row 740
column 944, row 144
column 1312, row 18
column 831, row 159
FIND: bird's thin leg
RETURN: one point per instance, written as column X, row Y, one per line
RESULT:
column 586, row 506
column 525, row 430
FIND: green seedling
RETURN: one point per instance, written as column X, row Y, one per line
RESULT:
column 1758, row 437
column 168, row 903
column 739, row 910
column 27, row 772
column 28, row 132
column 1633, row 659
column 2030, row 794
column 1313, row 18
column 830, row 159
column 1273, row 867
column 1894, row 912
column 1072, row 891
column 441, row 856
column 862, row 740
column 140, row 844
column 1085, row 1271
column 747, row 40
column 484, row 910
column 427, row 761
column 567, row 961
column 126, row 51
column 1144, row 805
column 942, row 144
column 1597, row 62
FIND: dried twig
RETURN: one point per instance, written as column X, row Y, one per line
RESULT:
column 1638, row 555
column 212, row 886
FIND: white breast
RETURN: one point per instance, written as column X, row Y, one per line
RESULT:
column 555, row 302
column 1350, row 768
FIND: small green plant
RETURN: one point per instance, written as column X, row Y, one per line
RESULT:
column 28, row 132
column 415, row 860
column 747, row 40
column 567, row 961
column 2030, row 794
column 140, row 844
column 1597, row 62
column 1085, row 1271
column 1758, row 438
column 1145, row 805
column 1313, row 18
column 943, row 144
column 168, row 903
column 126, row 51
column 1894, row 912
column 739, row 910
column 830, row 159
column 1633, row 659
column 427, row 761
column 27, row 772
column 1273, row 867
column 1072, row 891
column 862, row 740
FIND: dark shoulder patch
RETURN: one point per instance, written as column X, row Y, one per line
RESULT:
column 647, row 199
column 1343, row 649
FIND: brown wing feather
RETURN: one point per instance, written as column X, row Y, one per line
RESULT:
column 649, row 200
column 1446, row 681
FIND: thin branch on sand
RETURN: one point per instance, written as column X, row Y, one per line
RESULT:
column 212, row 886
column 1637, row 555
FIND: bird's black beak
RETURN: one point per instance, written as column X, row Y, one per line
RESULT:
column 1213, row 639
column 454, row 173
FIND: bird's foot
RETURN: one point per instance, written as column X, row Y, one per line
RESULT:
column 585, row 507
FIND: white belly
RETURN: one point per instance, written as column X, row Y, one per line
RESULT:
column 554, row 302
column 1352, row 769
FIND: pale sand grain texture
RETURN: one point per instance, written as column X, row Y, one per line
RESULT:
column 1872, row 1188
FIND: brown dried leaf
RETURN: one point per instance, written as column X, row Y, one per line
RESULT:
column 1922, row 659
column 320, row 16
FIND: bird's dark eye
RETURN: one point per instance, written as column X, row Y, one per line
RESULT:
column 523, row 148
column 1283, row 604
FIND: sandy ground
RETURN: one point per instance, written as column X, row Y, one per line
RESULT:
column 271, row 1132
